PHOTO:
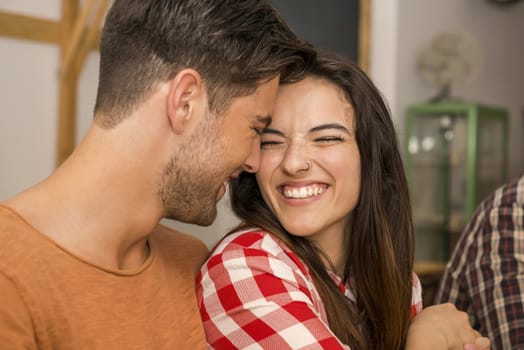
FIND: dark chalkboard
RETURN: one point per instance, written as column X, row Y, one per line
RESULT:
column 332, row 24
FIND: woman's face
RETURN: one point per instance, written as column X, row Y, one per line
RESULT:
column 310, row 163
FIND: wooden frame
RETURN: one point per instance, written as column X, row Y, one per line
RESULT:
column 364, row 31
column 76, row 38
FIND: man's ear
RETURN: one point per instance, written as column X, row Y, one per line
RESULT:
column 185, row 92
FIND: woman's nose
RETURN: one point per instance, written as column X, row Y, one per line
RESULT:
column 296, row 158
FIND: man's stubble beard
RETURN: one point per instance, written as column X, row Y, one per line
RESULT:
column 189, row 184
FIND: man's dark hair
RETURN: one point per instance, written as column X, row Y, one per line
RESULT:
column 234, row 44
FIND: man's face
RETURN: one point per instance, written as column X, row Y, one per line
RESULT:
column 219, row 150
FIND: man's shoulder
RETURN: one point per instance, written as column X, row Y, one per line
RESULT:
column 8, row 218
column 15, row 234
column 21, row 251
column 169, row 235
column 179, row 246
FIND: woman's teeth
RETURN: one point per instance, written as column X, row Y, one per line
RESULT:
column 303, row 192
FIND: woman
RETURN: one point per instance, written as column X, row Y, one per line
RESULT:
column 324, row 257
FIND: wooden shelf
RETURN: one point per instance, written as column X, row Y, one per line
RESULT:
column 425, row 268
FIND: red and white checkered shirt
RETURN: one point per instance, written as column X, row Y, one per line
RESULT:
column 254, row 293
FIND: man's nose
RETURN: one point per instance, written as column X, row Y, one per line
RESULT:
column 252, row 163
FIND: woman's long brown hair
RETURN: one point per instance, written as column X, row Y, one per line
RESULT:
column 380, row 246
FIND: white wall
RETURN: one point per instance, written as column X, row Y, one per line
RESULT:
column 28, row 99
column 383, row 47
column 400, row 28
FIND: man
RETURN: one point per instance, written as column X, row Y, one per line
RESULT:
column 485, row 275
column 185, row 88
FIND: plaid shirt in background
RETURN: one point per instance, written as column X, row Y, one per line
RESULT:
column 485, row 276
column 255, row 293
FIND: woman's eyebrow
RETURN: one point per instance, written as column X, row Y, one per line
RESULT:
column 314, row 129
column 330, row 126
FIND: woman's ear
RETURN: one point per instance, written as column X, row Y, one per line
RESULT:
column 185, row 93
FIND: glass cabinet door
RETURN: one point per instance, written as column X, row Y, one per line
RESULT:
column 456, row 155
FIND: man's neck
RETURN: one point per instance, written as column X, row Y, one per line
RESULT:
column 95, row 206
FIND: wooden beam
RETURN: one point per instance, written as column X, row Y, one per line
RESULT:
column 34, row 29
column 74, row 50
column 94, row 32
column 364, row 34
column 67, row 87
column 29, row 28
column 75, row 38
column 59, row 32
column 91, row 39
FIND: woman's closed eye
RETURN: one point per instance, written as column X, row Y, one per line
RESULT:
column 329, row 139
column 265, row 144
column 329, row 133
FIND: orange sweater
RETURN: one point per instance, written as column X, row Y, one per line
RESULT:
column 52, row 299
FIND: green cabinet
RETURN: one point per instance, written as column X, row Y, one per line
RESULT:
column 456, row 154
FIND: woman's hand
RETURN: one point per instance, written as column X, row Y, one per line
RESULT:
column 443, row 327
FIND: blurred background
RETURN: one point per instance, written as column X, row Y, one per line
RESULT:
column 451, row 71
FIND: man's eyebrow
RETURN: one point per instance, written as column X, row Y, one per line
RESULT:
column 330, row 126
column 264, row 119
